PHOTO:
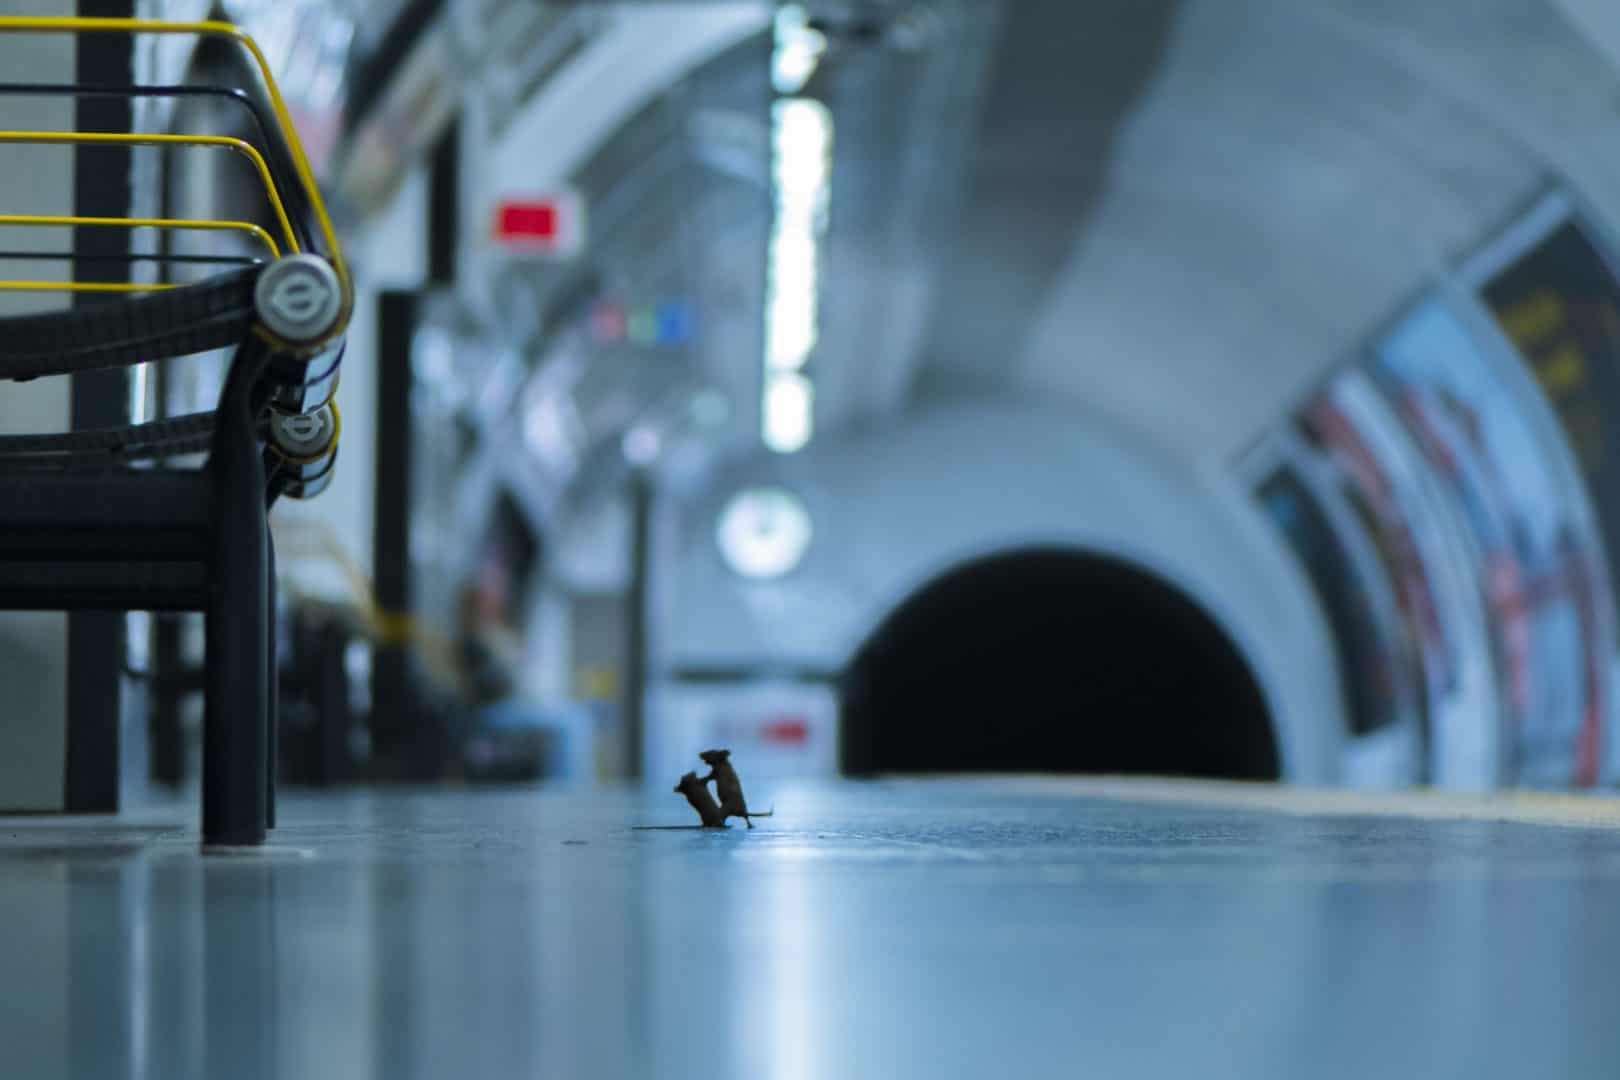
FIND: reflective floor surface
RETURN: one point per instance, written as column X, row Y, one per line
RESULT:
column 991, row 928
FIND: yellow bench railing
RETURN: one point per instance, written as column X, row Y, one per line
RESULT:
column 21, row 24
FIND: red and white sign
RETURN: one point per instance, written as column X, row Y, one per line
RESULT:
column 783, row 729
column 548, row 225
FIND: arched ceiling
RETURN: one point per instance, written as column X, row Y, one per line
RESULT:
column 1291, row 173
column 1181, row 212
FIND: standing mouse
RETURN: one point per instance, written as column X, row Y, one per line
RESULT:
column 728, row 786
column 697, row 793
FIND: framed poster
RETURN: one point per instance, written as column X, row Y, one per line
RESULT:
column 1556, row 297
column 1373, row 670
column 1551, row 287
column 1472, row 423
column 1334, row 425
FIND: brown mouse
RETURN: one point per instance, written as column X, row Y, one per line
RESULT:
column 728, row 787
column 697, row 793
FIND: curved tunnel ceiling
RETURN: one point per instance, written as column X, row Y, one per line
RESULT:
column 1293, row 174
column 1179, row 211
column 1184, row 211
column 1065, row 78
column 1279, row 175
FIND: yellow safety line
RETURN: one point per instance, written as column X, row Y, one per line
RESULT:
column 1592, row 809
column 36, row 24
column 155, row 223
column 50, row 138
column 83, row 286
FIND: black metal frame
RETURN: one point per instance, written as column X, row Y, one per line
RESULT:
column 102, row 187
column 85, row 532
column 115, row 539
column 81, row 531
column 100, row 536
column 393, row 712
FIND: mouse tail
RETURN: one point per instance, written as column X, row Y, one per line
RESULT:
column 768, row 813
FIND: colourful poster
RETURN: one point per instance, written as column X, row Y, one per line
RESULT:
column 1473, row 428
column 1370, row 661
column 1559, row 303
column 1371, row 494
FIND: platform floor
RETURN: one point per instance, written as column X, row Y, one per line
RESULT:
column 921, row 929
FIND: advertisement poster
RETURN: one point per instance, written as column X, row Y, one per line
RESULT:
column 1369, row 490
column 1559, row 303
column 1472, row 427
column 1370, row 658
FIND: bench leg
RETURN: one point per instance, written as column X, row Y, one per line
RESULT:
column 236, row 684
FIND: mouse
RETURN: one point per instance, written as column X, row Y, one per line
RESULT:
column 697, row 793
column 729, row 787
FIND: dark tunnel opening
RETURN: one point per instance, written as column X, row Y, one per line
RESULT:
column 1053, row 660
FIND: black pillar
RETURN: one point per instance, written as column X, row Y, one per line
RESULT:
column 170, row 682
column 634, row 704
column 444, row 207
column 101, row 187
column 391, row 566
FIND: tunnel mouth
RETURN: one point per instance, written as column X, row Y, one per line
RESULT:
column 1052, row 660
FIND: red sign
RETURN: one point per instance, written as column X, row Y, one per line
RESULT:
column 785, row 729
column 527, row 221
column 540, row 225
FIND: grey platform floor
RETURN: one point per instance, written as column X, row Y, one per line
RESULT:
column 922, row 929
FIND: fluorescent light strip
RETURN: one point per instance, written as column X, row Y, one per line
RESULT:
column 789, row 411
column 798, row 50
column 801, row 142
